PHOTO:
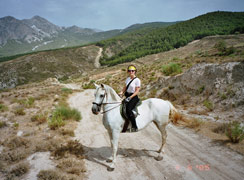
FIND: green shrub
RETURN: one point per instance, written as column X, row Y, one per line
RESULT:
column 67, row 90
column 3, row 108
column 19, row 111
column 39, row 118
column 62, row 113
column 223, row 50
column 16, row 125
column 200, row 89
column 55, row 122
column 235, row 132
column 27, row 102
column 171, row 69
column 208, row 104
column 3, row 124
column 67, row 113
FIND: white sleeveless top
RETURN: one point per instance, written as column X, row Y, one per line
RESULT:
column 135, row 83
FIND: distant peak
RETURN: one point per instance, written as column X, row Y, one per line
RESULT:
column 8, row 17
column 36, row 17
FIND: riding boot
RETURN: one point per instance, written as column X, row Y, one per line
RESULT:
column 133, row 122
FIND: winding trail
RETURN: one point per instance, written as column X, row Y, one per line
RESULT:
column 187, row 155
column 97, row 63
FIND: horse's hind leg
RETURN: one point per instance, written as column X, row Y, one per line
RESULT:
column 162, row 129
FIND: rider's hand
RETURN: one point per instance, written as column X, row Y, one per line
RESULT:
column 128, row 99
column 121, row 94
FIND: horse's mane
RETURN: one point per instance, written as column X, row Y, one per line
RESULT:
column 114, row 96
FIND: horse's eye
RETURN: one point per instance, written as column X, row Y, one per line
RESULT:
column 101, row 95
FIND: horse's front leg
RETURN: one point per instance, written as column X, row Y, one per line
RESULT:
column 110, row 138
column 114, row 142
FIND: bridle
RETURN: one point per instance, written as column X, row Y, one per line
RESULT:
column 102, row 103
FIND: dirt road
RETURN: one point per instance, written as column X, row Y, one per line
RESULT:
column 187, row 155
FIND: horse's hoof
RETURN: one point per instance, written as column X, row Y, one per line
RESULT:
column 109, row 160
column 110, row 169
column 159, row 158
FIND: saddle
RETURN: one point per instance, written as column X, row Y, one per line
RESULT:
column 125, row 116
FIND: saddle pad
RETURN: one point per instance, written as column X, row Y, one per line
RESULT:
column 124, row 114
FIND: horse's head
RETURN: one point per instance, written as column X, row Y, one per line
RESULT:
column 100, row 94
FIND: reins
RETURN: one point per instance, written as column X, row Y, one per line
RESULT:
column 111, row 108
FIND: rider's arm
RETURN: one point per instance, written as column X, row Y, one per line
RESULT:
column 123, row 91
column 135, row 93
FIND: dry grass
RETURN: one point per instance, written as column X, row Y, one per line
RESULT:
column 39, row 118
column 19, row 111
column 72, row 166
column 198, row 112
column 16, row 142
column 15, row 155
column 50, row 175
column 3, row 124
column 71, row 147
column 182, row 120
column 36, row 103
column 68, row 132
column 17, row 171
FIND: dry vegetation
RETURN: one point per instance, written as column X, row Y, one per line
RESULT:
column 217, row 49
column 24, row 130
column 30, row 109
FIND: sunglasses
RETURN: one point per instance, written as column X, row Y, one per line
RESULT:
column 131, row 70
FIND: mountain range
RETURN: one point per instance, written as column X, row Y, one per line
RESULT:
column 37, row 34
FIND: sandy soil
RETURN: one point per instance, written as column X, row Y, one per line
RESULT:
column 187, row 155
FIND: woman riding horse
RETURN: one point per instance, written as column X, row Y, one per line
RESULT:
column 130, row 90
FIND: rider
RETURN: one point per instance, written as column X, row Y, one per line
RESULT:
column 130, row 93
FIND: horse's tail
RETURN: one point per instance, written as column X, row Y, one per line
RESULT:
column 174, row 115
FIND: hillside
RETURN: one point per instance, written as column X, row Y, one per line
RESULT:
column 187, row 87
column 61, row 64
column 38, row 34
column 206, row 87
column 141, row 43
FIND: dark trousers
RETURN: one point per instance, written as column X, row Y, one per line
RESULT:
column 129, row 107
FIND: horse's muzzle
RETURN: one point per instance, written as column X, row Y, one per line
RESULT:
column 96, row 109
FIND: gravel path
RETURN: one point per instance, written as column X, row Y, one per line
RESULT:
column 187, row 155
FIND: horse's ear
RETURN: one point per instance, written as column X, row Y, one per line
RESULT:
column 102, row 85
column 97, row 86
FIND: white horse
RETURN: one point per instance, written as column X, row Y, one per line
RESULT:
column 151, row 110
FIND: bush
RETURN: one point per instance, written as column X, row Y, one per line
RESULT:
column 62, row 113
column 235, row 132
column 89, row 85
column 67, row 113
column 49, row 175
column 3, row 108
column 3, row 124
column 27, row 102
column 171, row 69
column 67, row 90
column 208, row 105
column 55, row 122
column 18, row 170
column 39, row 118
column 19, row 111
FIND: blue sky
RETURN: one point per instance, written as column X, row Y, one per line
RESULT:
column 114, row 14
